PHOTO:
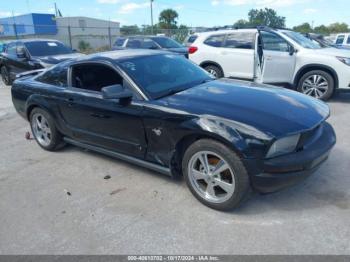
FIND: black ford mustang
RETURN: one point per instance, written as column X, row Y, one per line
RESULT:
column 160, row 111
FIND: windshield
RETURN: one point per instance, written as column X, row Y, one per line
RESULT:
column 163, row 75
column 165, row 42
column 47, row 48
column 302, row 40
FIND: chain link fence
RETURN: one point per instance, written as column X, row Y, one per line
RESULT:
column 83, row 39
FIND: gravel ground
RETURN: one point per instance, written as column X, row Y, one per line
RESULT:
column 138, row 211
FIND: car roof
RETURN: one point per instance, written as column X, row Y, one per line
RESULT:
column 121, row 55
column 227, row 31
column 33, row 40
column 143, row 36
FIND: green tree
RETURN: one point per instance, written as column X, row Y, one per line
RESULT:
column 168, row 19
column 267, row 17
column 84, row 47
column 242, row 23
column 322, row 29
column 129, row 30
column 338, row 28
column 181, row 33
column 303, row 28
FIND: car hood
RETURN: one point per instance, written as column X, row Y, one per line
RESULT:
column 275, row 111
column 332, row 51
column 52, row 60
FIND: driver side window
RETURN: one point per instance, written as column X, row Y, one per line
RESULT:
column 273, row 42
column 93, row 77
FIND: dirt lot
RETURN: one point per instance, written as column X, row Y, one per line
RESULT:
column 138, row 211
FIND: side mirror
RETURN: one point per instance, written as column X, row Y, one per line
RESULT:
column 20, row 52
column 116, row 92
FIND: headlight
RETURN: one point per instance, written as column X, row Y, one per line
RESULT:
column 345, row 60
column 283, row 146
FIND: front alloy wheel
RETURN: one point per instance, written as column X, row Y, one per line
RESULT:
column 215, row 175
column 318, row 84
column 211, row 177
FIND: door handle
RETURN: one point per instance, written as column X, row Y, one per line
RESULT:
column 269, row 58
column 99, row 115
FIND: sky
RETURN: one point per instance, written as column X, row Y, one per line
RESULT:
column 191, row 12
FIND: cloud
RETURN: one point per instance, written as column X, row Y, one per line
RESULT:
column 179, row 7
column 5, row 13
column 258, row 3
column 310, row 11
column 130, row 7
column 108, row 1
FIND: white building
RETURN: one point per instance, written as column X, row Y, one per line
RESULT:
column 97, row 33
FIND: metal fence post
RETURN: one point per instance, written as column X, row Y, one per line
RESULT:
column 15, row 30
column 110, row 37
column 70, row 37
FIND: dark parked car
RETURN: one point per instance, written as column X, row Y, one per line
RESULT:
column 25, row 55
column 160, row 111
column 150, row 42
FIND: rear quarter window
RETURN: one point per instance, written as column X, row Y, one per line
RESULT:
column 348, row 41
column 215, row 40
column 56, row 76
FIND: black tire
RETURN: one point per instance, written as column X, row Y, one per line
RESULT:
column 214, row 70
column 5, row 75
column 322, row 74
column 242, row 187
column 56, row 139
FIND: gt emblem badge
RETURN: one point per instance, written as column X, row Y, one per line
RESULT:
column 157, row 131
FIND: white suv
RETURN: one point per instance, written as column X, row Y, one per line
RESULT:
column 273, row 56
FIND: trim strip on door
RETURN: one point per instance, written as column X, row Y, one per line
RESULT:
column 133, row 160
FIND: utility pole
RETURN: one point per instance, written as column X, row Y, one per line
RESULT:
column 151, row 16
column 56, row 13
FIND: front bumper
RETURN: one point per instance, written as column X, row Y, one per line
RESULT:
column 274, row 174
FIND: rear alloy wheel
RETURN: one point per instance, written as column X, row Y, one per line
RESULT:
column 214, row 71
column 215, row 175
column 318, row 84
column 44, row 130
column 5, row 75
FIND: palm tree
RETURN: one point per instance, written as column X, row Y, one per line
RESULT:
column 167, row 19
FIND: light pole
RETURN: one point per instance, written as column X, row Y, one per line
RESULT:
column 151, row 16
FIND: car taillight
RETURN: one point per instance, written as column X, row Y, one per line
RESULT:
column 192, row 49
